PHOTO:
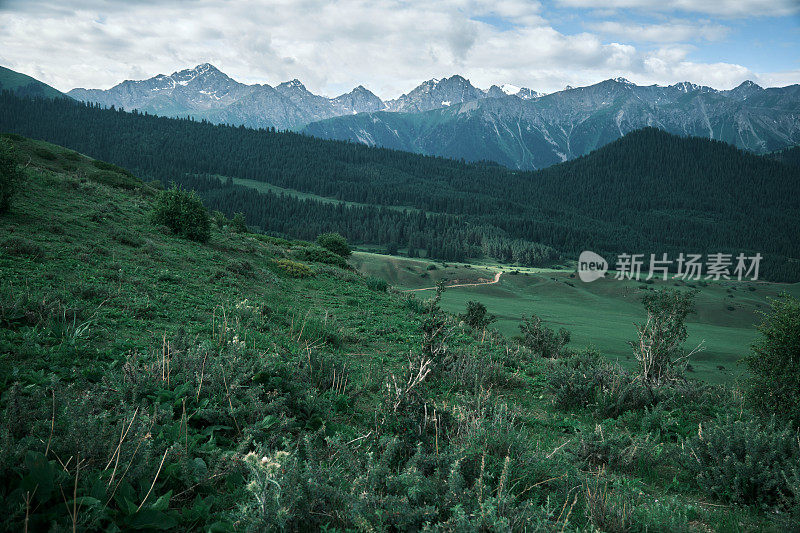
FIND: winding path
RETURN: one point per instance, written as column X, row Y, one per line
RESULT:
column 495, row 280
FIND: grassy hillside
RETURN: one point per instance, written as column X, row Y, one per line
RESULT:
column 23, row 85
column 599, row 314
column 150, row 382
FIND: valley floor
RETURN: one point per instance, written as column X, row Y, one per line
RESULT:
column 599, row 314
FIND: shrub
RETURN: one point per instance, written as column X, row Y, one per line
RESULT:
column 46, row 154
column 183, row 213
column 242, row 267
column 335, row 243
column 329, row 484
column 123, row 236
column 377, row 284
column 219, row 218
column 775, row 361
column 115, row 179
column 585, row 380
column 745, row 461
column 659, row 350
column 18, row 246
column 238, row 223
column 9, row 175
column 541, row 339
column 318, row 254
column 476, row 316
column 293, row 268
column 102, row 165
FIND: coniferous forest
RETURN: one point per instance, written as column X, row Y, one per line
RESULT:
column 649, row 192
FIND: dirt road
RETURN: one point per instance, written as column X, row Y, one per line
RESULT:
column 495, row 280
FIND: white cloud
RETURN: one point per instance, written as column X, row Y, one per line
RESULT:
column 720, row 8
column 387, row 45
column 669, row 32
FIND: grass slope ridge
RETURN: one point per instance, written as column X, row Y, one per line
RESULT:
column 24, row 85
column 150, row 382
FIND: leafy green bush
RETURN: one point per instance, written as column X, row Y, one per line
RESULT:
column 335, row 243
column 45, row 154
column 21, row 247
column 377, row 284
column 380, row 486
column 775, row 361
column 102, row 165
column 293, row 268
column 9, row 175
column 621, row 452
column 238, row 223
column 183, row 213
column 584, row 380
column 318, row 254
column 745, row 461
column 115, row 179
column 576, row 380
column 541, row 339
column 128, row 238
column 476, row 316
column 659, row 346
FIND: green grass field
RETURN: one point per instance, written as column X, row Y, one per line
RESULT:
column 599, row 314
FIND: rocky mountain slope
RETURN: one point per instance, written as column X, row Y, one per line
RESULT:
column 206, row 92
column 517, row 127
column 538, row 132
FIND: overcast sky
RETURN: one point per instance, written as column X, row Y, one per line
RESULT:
column 390, row 46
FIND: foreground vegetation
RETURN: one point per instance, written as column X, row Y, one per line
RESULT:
column 245, row 382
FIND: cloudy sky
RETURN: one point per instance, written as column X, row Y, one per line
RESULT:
column 390, row 46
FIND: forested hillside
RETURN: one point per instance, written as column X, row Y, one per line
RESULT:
column 23, row 85
column 649, row 192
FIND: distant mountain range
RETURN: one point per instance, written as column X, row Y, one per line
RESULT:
column 516, row 127
column 539, row 132
column 206, row 92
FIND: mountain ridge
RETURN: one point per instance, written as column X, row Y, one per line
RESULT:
column 516, row 127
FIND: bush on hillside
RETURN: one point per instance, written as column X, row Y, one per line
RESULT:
column 335, row 243
column 9, row 175
column 659, row 346
column 115, row 179
column 317, row 254
column 102, row 165
column 476, row 316
column 775, row 361
column 541, row 339
column 238, row 223
column 183, row 213
column 746, row 461
column 293, row 268
column 377, row 284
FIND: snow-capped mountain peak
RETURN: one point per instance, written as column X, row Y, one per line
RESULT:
column 509, row 89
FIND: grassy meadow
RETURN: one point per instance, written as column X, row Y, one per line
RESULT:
column 599, row 314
